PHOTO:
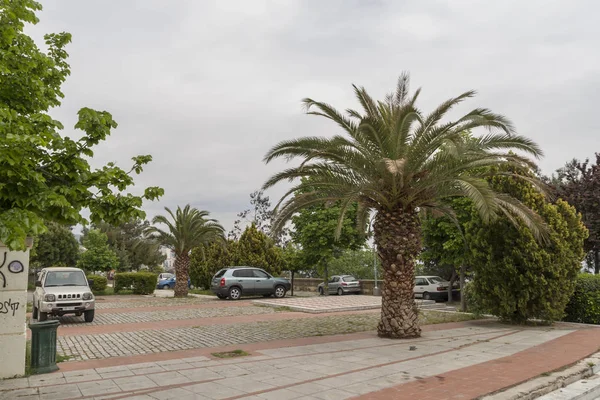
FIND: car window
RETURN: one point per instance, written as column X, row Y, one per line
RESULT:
column 220, row 273
column 349, row 279
column 243, row 273
column 336, row 279
column 421, row 282
column 65, row 278
column 260, row 274
column 436, row 279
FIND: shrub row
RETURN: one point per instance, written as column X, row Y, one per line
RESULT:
column 139, row 282
column 584, row 306
column 99, row 284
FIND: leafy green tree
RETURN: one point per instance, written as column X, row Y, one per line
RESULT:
column 516, row 277
column 256, row 249
column 187, row 229
column 358, row 263
column 56, row 247
column 315, row 230
column 45, row 176
column 131, row 244
column 206, row 261
column 397, row 162
column 445, row 249
column 578, row 183
column 97, row 256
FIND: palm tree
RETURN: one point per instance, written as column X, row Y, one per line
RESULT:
column 397, row 162
column 186, row 229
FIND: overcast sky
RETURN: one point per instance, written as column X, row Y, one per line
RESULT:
column 207, row 87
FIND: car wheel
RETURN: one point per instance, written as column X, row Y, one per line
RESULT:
column 235, row 293
column 426, row 296
column 43, row 316
column 279, row 291
column 88, row 316
column 34, row 313
column 321, row 291
column 340, row 292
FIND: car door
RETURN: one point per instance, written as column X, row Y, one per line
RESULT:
column 263, row 283
column 334, row 284
column 420, row 286
column 245, row 279
column 38, row 293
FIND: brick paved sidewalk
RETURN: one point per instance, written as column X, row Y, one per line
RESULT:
column 455, row 361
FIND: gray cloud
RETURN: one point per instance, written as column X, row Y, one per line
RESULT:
column 207, row 87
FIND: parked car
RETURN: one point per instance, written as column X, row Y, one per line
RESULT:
column 235, row 282
column 432, row 288
column 341, row 284
column 60, row 291
column 169, row 283
column 165, row 275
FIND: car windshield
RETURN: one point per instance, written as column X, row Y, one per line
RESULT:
column 436, row 279
column 349, row 279
column 65, row 278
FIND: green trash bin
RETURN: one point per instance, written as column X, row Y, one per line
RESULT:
column 43, row 346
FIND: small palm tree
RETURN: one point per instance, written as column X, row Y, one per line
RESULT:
column 186, row 229
column 396, row 162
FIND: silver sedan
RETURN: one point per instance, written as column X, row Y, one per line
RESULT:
column 340, row 284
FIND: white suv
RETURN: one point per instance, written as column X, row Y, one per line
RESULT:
column 61, row 291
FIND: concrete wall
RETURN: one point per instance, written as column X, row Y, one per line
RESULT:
column 310, row 284
column 14, row 266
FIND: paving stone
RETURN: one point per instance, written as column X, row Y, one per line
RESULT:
column 214, row 391
column 169, row 378
column 281, row 394
column 134, row 383
column 98, row 388
column 20, row 394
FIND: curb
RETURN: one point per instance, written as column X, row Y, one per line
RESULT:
column 542, row 385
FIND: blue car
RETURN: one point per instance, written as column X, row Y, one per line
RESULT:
column 169, row 283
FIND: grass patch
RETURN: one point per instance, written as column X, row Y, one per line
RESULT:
column 29, row 307
column 60, row 358
column 431, row 317
column 28, row 358
column 231, row 354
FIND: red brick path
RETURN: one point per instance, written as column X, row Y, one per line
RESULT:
column 491, row 376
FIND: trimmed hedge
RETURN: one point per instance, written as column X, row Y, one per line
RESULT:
column 584, row 306
column 99, row 285
column 139, row 282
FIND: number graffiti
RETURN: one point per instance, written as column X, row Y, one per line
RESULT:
column 9, row 306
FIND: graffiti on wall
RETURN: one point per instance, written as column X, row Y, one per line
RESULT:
column 1, row 273
column 8, row 306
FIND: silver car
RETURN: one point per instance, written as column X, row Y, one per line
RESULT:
column 235, row 282
column 340, row 284
column 60, row 291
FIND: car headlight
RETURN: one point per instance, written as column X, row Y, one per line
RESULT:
column 50, row 297
column 87, row 296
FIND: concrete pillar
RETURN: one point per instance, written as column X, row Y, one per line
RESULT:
column 14, row 268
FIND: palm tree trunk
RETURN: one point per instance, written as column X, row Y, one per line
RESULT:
column 182, row 271
column 398, row 240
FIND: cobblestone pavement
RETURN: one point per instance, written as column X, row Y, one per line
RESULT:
column 440, row 365
column 85, row 347
column 175, row 314
column 326, row 304
column 136, row 302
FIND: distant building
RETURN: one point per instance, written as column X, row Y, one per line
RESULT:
column 169, row 263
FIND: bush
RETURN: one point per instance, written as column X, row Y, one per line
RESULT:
column 139, row 282
column 99, row 285
column 584, row 306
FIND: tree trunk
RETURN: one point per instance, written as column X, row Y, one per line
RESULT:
column 597, row 261
column 463, row 298
column 452, row 280
column 182, row 272
column 292, row 284
column 398, row 240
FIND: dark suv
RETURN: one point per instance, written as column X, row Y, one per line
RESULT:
column 233, row 282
